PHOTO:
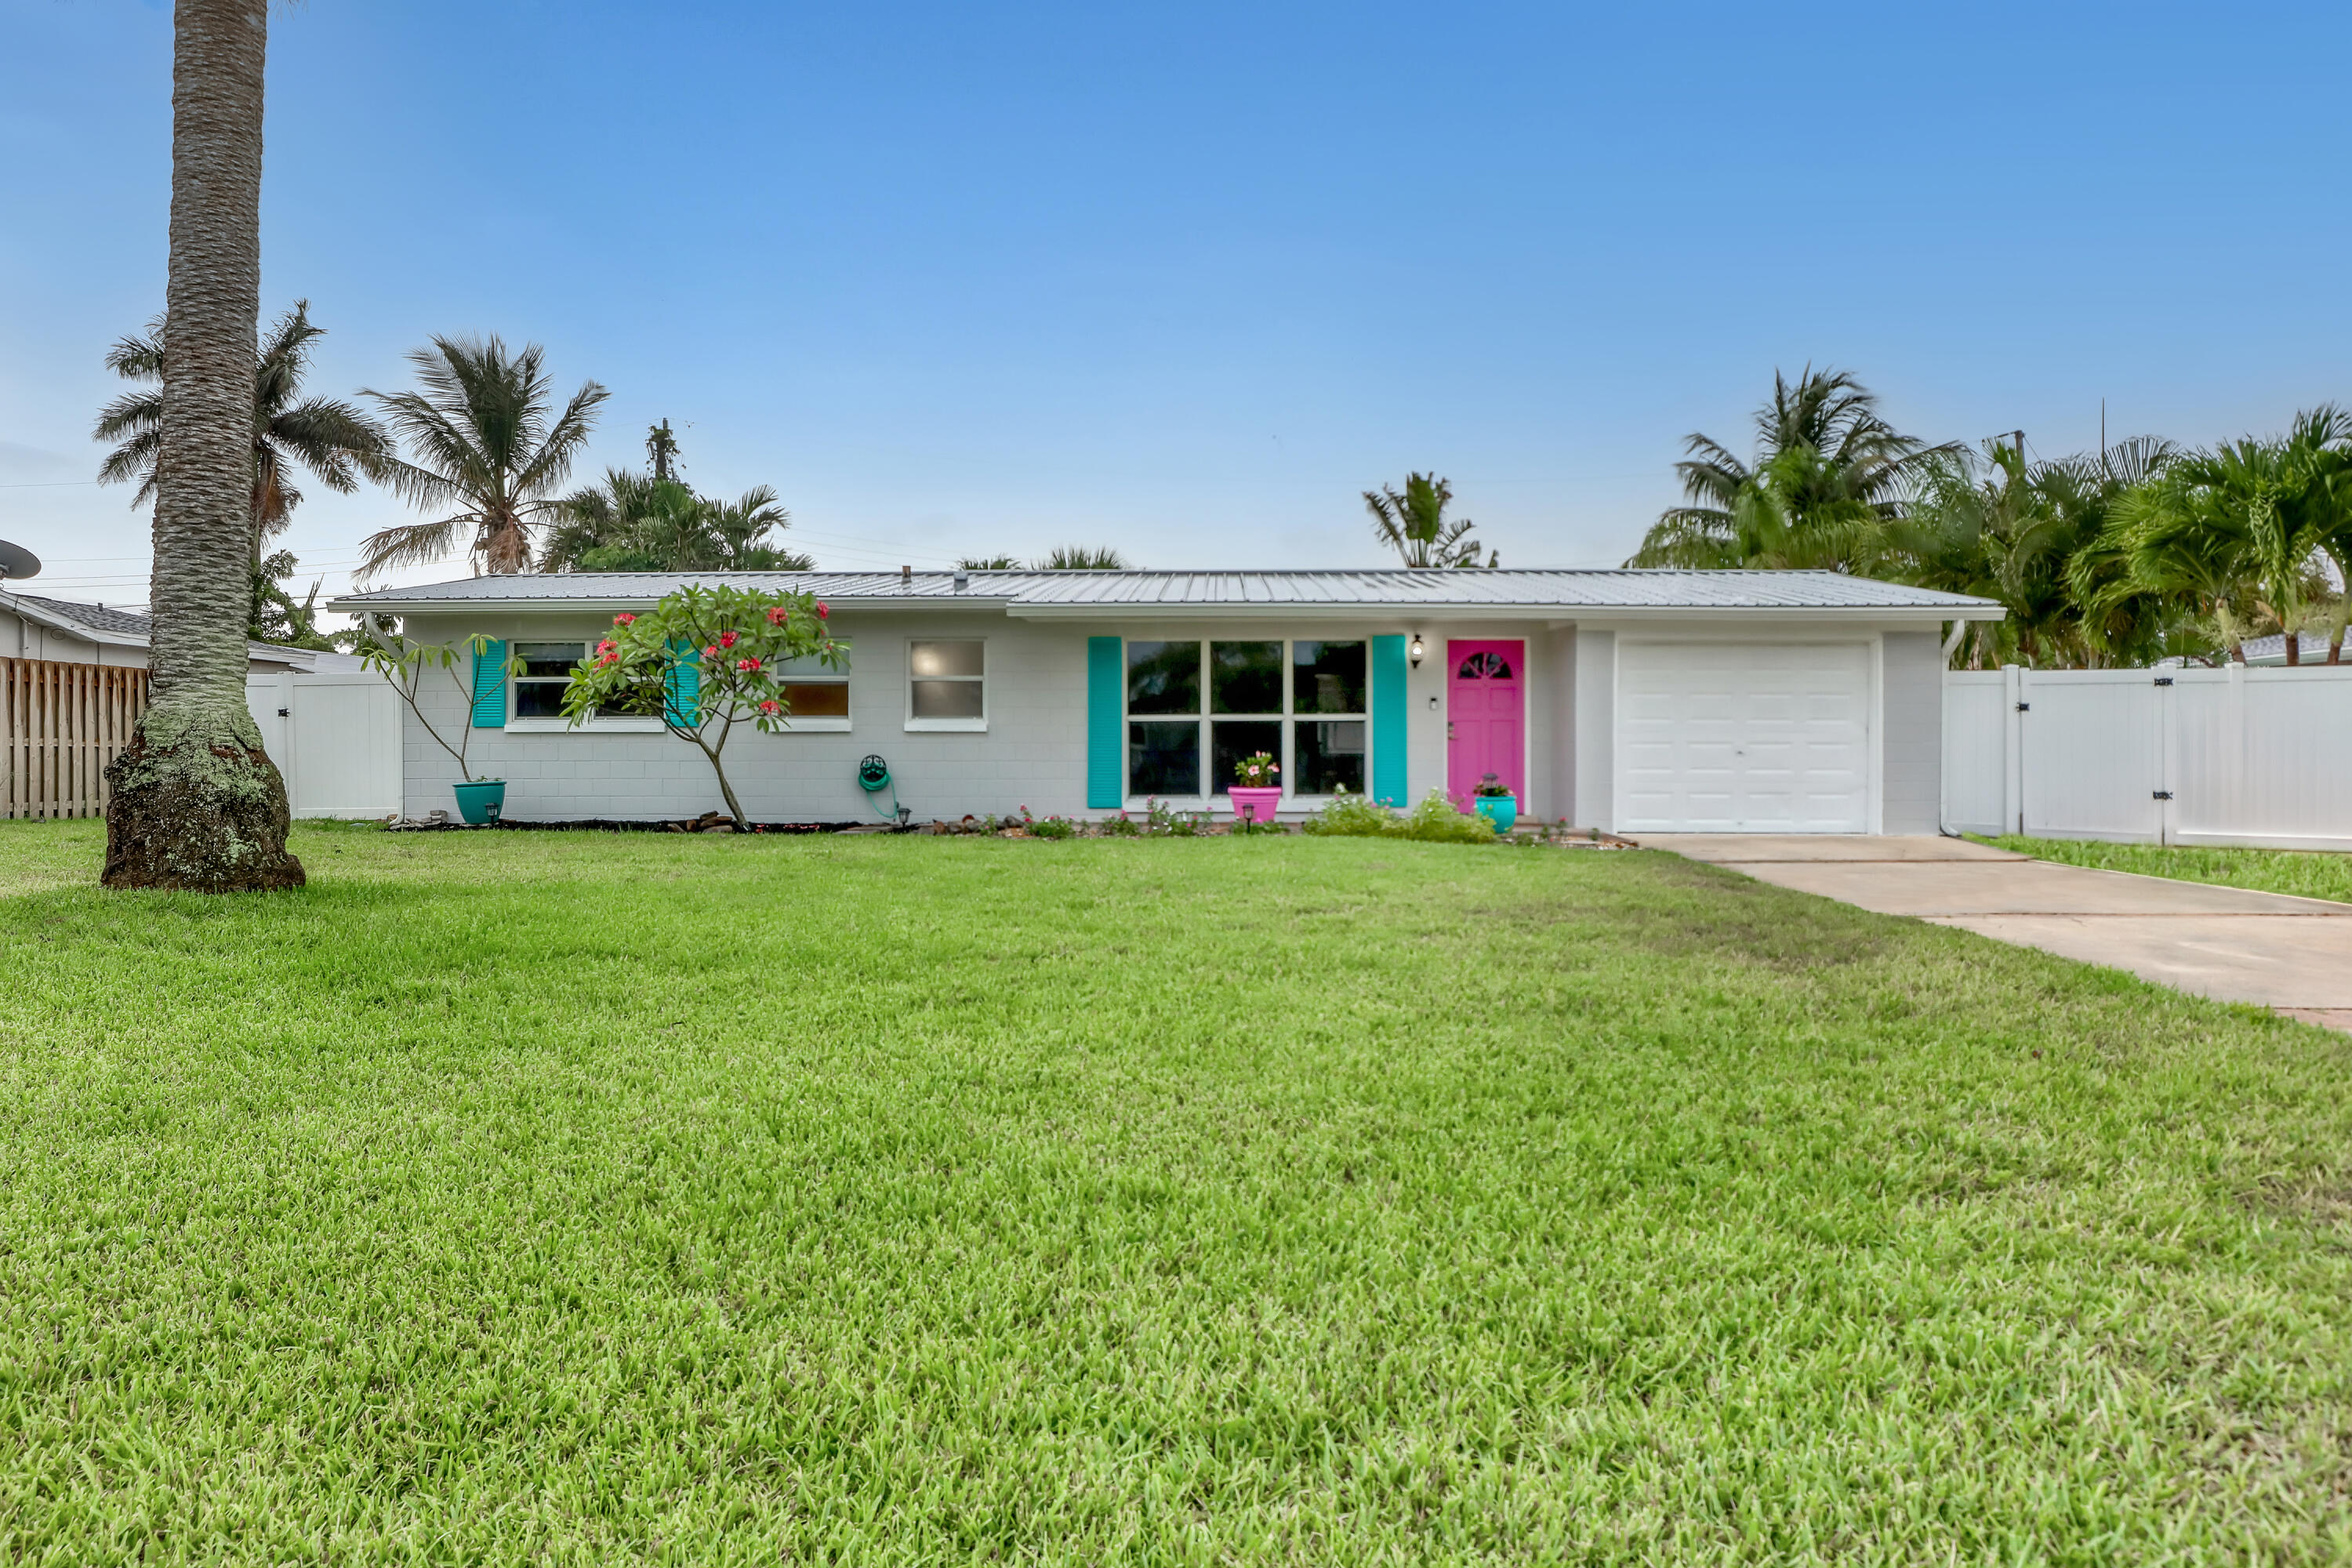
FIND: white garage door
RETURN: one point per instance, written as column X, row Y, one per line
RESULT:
column 1743, row 737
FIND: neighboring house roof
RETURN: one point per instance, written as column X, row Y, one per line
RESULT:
column 2273, row 649
column 1096, row 594
column 130, row 629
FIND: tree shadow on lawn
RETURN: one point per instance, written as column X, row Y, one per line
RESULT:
column 1685, row 909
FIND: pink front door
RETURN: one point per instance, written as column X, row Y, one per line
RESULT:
column 1486, row 716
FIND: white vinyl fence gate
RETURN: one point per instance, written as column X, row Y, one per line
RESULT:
column 2231, row 756
column 336, row 737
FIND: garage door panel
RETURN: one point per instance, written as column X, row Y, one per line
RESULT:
column 1759, row 738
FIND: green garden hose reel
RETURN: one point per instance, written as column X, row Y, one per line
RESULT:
column 873, row 777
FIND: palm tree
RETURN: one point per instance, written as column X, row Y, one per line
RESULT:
column 337, row 443
column 653, row 522
column 1829, row 473
column 988, row 564
column 2243, row 530
column 1412, row 522
column 195, row 801
column 742, row 527
column 481, row 444
column 2028, row 535
column 1081, row 558
column 334, row 441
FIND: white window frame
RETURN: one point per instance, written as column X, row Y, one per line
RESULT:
column 948, row 726
column 826, row 724
column 1290, row 718
column 604, row 724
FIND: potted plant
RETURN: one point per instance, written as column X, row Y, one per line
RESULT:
column 1257, row 789
column 403, row 664
column 1496, row 803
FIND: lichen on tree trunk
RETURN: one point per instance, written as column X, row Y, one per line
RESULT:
column 197, row 803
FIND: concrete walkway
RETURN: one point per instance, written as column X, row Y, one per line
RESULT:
column 2291, row 954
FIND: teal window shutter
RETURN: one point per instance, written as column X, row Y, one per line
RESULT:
column 1387, row 719
column 1106, row 748
column 682, row 687
column 490, row 684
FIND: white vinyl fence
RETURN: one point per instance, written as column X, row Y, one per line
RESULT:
column 2233, row 756
column 335, row 737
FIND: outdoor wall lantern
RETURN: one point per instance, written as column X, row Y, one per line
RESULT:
column 1416, row 652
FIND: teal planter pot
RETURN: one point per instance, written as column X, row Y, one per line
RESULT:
column 480, row 802
column 1502, row 810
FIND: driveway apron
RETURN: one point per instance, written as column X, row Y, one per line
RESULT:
column 2293, row 956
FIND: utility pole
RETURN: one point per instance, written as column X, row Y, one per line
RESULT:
column 661, row 446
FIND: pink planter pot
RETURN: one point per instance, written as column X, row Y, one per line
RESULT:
column 1255, row 804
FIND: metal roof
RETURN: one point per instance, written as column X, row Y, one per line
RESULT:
column 132, row 629
column 1486, row 589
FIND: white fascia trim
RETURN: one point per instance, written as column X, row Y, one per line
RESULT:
column 1607, row 617
column 565, row 606
column 1554, row 618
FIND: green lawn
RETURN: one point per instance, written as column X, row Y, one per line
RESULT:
column 2301, row 872
column 529, row 1197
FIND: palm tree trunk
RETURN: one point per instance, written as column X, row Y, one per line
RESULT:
column 196, row 802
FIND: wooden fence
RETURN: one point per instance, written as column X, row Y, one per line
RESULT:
column 61, row 725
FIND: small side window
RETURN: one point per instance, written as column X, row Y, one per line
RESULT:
column 546, row 671
column 947, row 685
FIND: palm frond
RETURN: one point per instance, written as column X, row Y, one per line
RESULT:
column 407, row 544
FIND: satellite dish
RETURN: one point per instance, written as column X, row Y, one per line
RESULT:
column 15, row 561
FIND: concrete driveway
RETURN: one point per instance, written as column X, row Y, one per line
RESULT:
column 2291, row 954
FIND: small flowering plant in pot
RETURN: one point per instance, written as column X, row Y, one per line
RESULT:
column 1496, row 803
column 1257, row 789
column 714, row 657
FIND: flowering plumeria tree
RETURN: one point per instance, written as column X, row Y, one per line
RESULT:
column 715, row 657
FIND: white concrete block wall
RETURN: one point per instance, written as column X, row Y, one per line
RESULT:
column 1032, row 753
column 1559, row 800
column 1595, row 719
column 1911, row 732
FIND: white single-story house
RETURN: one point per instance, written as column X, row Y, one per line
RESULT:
column 66, row 631
column 1623, row 700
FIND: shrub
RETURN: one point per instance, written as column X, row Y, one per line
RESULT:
column 1433, row 821
column 1353, row 816
column 1436, row 821
column 1053, row 827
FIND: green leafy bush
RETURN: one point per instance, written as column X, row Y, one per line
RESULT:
column 1433, row 821
column 1436, row 821
column 1353, row 816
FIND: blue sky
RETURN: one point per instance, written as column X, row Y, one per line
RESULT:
column 1185, row 279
